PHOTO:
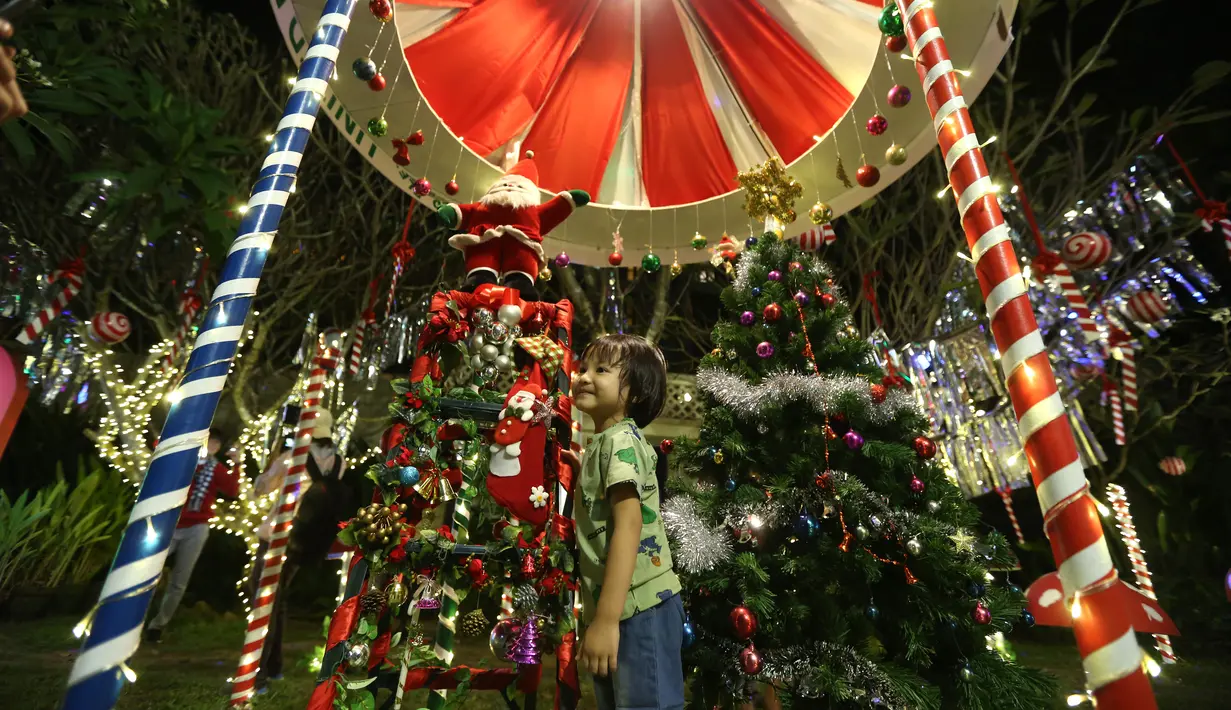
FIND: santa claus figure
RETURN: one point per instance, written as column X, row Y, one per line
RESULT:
column 516, row 478
column 502, row 234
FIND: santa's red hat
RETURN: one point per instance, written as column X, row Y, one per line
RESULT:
column 526, row 168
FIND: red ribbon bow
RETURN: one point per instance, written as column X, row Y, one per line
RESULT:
column 869, row 292
column 1212, row 211
column 1045, row 264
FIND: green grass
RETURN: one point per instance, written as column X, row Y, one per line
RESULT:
column 188, row 670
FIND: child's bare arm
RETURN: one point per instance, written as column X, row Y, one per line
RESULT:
column 621, row 551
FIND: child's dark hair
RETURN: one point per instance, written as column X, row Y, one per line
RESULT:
column 215, row 433
column 642, row 369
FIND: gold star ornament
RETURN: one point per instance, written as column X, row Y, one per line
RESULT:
column 770, row 192
column 963, row 540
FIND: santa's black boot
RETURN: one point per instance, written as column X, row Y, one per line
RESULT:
column 477, row 278
column 523, row 284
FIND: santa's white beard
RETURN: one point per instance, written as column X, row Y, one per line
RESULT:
column 513, row 197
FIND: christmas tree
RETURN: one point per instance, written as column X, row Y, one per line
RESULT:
column 824, row 551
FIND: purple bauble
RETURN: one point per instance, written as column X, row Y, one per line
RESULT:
column 765, row 349
column 899, row 96
column 802, row 298
column 774, row 275
column 916, row 486
column 747, row 318
column 853, row 440
column 562, row 259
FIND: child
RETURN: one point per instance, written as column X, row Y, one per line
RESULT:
column 631, row 608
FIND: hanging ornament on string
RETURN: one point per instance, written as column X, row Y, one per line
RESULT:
column 109, row 327
column 377, row 82
column 699, row 241
column 895, row 44
column 402, row 155
column 898, row 96
column 895, row 154
column 562, row 260
column 421, row 187
column 867, row 175
column 451, row 187
column 616, row 257
column 651, row 263
column 1146, row 307
column 381, row 9
column 820, row 213
column 877, row 124
column 1173, row 466
column 890, row 21
column 1086, row 250
column 364, row 68
column 676, row 269
column 378, row 126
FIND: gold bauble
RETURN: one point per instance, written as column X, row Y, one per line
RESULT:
column 896, row 154
column 396, row 594
column 821, row 213
column 545, row 274
column 719, row 457
column 676, row 269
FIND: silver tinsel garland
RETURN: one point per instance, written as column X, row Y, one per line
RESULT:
column 821, row 392
column 696, row 546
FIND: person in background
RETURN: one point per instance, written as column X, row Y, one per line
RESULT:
column 212, row 478
column 324, row 501
column 12, row 103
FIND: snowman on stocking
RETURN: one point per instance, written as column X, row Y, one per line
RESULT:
column 516, row 478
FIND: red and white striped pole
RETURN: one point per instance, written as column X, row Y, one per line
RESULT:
column 190, row 305
column 1128, row 533
column 74, row 274
column 1006, row 497
column 1110, row 654
column 243, row 684
column 1077, row 301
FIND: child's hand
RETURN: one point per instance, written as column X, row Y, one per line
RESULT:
column 600, row 646
column 571, row 458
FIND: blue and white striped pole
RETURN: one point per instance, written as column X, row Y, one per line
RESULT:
column 100, row 669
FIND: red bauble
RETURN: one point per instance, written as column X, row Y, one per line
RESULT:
column 827, row 300
column 382, row 9
column 615, row 258
column 917, row 486
column 877, row 124
column 667, row 446
column 925, row 447
column 867, row 175
column 377, row 83
column 772, row 313
column 452, row 187
column 896, row 43
column 475, row 567
column 824, row 481
column 893, row 381
column 878, row 393
column 415, row 138
column 750, row 661
column 981, row 614
column 421, row 187
column 743, row 622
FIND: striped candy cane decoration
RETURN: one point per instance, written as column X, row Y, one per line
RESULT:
column 95, row 680
column 1224, row 225
column 356, row 350
column 1128, row 533
column 1128, row 373
column 1077, row 301
column 74, row 275
column 190, row 305
column 1006, row 497
column 1117, row 414
column 1109, row 650
column 244, row 681
column 271, row 570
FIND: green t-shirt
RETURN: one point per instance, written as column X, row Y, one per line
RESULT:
column 621, row 455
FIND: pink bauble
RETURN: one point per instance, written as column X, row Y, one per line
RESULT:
column 867, row 175
column 1172, row 466
column 981, row 614
column 877, row 125
column 109, row 327
column 1147, row 307
column 899, row 96
column 1086, row 250
column 917, row 486
column 421, row 187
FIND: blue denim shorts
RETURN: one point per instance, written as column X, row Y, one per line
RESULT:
column 649, row 673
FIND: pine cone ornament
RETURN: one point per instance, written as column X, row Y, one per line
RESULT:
column 525, row 598
column 372, row 602
column 475, row 624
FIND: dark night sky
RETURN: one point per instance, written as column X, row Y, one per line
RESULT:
column 1157, row 49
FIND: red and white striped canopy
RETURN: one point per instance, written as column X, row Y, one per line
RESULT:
column 641, row 103
column 651, row 106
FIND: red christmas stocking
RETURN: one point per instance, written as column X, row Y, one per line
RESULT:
column 515, row 477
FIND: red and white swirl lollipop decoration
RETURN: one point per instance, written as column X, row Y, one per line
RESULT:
column 1086, row 250
column 1147, row 307
column 109, row 327
column 1173, row 466
column 1105, row 634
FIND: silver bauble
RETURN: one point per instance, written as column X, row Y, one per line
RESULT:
column 913, row 546
column 489, row 352
column 476, row 361
column 482, row 316
column 933, row 506
column 504, row 363
column 498, row 333
column 510, row 315
column 357, row 655
column 861, row 532
column 515, row 331
column 489, row 372
column 502, row 636
column 476, row 341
